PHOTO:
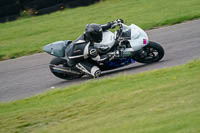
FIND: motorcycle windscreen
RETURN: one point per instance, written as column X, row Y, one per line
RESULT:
column 56, row 49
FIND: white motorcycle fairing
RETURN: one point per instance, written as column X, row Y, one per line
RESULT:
column 138, row 37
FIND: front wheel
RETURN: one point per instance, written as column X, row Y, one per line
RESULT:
column 153, row 52
column 60, row 74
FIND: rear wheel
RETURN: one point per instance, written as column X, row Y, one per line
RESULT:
column 60, row 74
column 153, row 52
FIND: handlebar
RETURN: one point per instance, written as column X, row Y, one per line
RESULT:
column 117, row 22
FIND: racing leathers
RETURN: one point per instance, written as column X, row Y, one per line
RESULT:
column 84, row 56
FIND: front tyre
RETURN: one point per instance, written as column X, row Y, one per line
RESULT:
column 153, row 52
column 61, row 62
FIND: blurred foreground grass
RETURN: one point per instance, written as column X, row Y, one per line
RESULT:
column 160, row 101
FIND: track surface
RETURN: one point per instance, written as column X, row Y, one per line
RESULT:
column 27, row 76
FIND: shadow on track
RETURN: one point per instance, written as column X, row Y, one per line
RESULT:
column 134, row 68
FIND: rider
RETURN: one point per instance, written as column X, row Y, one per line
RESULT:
column 82, row 51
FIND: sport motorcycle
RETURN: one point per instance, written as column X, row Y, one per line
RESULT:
column 124, row 46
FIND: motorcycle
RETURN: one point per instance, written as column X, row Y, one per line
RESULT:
column 127, row 45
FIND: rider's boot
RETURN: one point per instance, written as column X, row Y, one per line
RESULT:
column 89, row 69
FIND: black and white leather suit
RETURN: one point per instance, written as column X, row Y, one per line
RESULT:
column 81, row 52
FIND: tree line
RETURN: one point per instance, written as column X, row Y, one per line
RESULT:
column 11, row 9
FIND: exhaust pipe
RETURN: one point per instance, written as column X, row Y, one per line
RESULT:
column 64, row 69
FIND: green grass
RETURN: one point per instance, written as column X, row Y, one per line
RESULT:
column 28, row 35
column 161, row 101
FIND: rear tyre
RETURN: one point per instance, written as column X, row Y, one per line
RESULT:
column 153, row 52
column 61, row 62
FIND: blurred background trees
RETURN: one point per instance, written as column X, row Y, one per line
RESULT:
column 11, row 9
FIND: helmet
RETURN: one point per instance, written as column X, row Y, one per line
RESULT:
column 94, row 33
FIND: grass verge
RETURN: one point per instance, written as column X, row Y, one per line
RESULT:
column 28, row 35
column 160, row 101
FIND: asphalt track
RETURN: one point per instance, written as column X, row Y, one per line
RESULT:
column 30, row 75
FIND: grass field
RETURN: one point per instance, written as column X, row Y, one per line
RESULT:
column 28, row 35
column 161, row 101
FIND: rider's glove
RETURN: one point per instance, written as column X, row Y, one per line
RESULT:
column 119, row 20
column 115, row 23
